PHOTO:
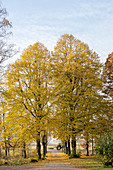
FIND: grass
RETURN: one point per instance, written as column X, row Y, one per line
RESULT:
column 88, row 162
column 14, row 161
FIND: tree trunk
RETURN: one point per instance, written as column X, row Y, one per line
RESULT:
column 24, row 150
column 0, row 152
column 66, row 148
column 87, row 148
column 63, row 148
column 74, row 146
column 38, row 146
column 44, row 142
column 6, row 151
column 69, row 149
column 92, row 147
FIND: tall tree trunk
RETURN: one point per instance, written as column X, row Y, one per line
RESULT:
column 92, row 146
column 0, row 152
column 6, row 150
column 44, row 142
column 24, row 150
column 38, row 146
column 74, row 146
column 66, row 148
column 87, row 148
column 69, row 149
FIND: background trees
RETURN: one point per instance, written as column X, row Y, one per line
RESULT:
column 108, row 82
column 108, row 75
column 6, row 51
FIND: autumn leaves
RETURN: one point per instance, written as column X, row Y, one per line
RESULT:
column 58, row 92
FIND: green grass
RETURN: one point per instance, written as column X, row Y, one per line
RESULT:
column 88, row 162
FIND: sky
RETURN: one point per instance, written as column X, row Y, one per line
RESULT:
column 90, row 21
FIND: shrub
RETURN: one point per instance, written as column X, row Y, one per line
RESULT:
column 104, row 149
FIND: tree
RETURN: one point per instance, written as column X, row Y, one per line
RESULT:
column 19, row 127
column 108, row 75
column 108, row 82
column 5, row 49
column 28, row 87
column 77, row 80
column 104, row 149
column 97, row 120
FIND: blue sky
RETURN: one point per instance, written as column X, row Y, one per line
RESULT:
column 90, row 21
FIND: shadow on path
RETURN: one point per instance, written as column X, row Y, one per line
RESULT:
column 55, row 160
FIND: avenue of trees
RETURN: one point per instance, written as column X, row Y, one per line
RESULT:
column 59, row 92
column 66, row 92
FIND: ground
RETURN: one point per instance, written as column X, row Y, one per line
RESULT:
column 55, row 160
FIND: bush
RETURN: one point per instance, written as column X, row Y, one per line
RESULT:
column 104, row 150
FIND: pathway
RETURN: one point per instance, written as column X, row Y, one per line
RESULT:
column 56, row 161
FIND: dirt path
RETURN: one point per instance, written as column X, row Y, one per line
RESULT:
column 55, row 161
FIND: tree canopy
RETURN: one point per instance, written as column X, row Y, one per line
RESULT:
column 58, row 92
